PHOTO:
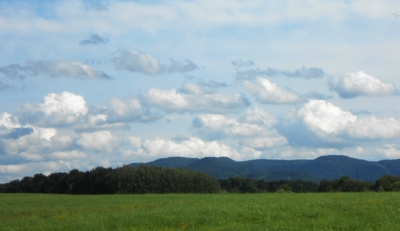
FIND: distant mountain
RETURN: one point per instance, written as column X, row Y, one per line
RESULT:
column 324, row 167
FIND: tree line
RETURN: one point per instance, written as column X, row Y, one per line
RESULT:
column 123, row 180
column 155, row 179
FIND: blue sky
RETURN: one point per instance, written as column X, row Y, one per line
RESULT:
column 107, row 83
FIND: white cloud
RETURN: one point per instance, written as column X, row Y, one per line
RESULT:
column 57, row 109
column 29, row 167
column 8, row 122
column 100, row 141
column 326, row 119
column 258, row 116
column 13, row 171
column 61, row 142
column 191, row 147
column 135, row 141
column 390, row 151
column 322, row 116
column 215, row 126
column 268, row 92
column 201, row 88
column 153, row 17
column 31, row 156
column 255, row 132
column 68, row 155
column 195, row 89
column 53, row 68
column 29, row 142
column 371, row 127
column 124, row 109
column 65, row 103
column 68, row 109
column 35, row 142
column 356, row 84
column 136, row 61
column 173, row 101
column 265, row 142
column 132, row 110
column 250, row 153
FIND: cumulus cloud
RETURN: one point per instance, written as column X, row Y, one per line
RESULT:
column 254, row 129
column 268, row 92
column 100, row 141
column 71, row 110
column 136, row 61
column 8, row 122
column 258, row 116
column 172, row 100
column 323, row 124
column 132, row 110
column 94, row 39
column 190, row 147
column 303, row 72
column 56, row 110
column 391, row 151
column 356, row 84
column 118, row 115
column 37, row 141
column 372, row 127
column 322, row 116
column 53, row 68
column 215, row 126
column 10, row 127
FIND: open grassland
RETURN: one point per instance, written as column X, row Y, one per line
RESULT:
column 274, row 211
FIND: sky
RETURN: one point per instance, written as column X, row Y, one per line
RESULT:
column 107, row 83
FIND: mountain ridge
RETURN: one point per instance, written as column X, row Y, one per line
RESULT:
column 328, row 167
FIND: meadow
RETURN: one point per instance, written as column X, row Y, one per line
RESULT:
column 267, row 211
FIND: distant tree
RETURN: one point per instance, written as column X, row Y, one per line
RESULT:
column 285, row 188
column 98, row 181
column 388, row 183
column 74, row 181
column 57, row 183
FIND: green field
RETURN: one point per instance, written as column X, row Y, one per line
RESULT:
column 273, row 211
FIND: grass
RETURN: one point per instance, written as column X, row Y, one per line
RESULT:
column 312, row 211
